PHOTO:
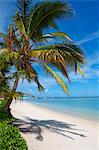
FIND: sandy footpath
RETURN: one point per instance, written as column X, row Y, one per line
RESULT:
column 44, row 129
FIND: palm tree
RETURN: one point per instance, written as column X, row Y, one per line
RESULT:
column 26, row 43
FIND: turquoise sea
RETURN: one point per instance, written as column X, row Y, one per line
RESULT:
column 87, row 107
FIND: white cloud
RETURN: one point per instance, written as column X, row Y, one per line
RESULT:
column 89, row 37
column 47, row 82
column 91, row 70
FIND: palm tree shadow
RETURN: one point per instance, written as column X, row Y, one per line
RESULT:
column 36, row 126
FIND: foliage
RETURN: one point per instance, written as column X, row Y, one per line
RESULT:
column 34, row 18
column 2, row 103
column 10, row 138
column 58, row 79
column 3, row 115
column 20, row 48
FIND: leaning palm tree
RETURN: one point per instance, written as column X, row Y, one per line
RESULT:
column 26, row 43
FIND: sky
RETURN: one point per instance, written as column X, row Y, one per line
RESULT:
column 83, row 28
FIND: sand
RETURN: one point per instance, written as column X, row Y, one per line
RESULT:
column 44, row 129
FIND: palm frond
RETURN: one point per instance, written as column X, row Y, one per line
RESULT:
column 61, row 56
column 29, row 73
column 23, row 9
column 64, row 52
column 75, row 67
column 60, row 35
column 20, row 25
column 44, row 14
column 2, row 35
column 80, row 70
column 63, row 69
column 33, row 75
column 57, row 78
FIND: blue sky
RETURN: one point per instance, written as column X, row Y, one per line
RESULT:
column 83, row 28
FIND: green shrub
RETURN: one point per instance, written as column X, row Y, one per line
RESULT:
column 2, row 102
column 10, row 138
column 4, row 116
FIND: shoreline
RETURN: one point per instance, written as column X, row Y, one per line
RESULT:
column 82, row 131
column 64, row 115
column 91, row 119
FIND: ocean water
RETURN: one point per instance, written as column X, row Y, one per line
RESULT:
column 87, row 107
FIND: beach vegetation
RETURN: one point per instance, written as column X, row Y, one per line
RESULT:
column 10, row 138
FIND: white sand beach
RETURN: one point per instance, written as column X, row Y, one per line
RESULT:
column 44, row 129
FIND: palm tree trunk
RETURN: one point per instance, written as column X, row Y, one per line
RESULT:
column 7, row 106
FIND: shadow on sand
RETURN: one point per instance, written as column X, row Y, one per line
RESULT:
column 36, row 126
